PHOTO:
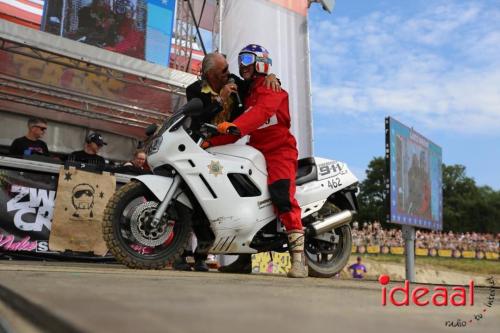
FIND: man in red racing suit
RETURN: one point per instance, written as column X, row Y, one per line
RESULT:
column 267, row 121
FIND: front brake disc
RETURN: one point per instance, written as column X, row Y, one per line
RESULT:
column 140, row 225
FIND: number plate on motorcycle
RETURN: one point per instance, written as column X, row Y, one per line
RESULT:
column 331, row 169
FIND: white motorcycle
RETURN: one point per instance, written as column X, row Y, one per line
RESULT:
column 222, row 192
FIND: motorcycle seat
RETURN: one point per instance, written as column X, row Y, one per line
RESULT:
column 306, row 171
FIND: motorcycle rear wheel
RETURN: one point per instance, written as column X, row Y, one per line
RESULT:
column 121, row 241
column 326, row 259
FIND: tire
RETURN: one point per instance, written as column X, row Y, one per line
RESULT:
column 121, row 241
column 326, row 260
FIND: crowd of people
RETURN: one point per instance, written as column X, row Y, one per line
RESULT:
column 373, row 234
column 31, row 144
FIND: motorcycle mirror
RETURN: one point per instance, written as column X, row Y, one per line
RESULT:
column 192, row 108
column 151, row 129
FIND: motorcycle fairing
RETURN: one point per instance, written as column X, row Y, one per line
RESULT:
column 235, row 220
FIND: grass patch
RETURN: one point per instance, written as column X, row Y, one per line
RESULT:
column 390, row 258
column 465, row 265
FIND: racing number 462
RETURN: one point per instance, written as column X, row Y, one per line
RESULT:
column 334, row 183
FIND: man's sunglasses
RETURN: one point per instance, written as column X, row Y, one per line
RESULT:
column 41, row 127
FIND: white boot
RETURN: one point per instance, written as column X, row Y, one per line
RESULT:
column 296, row 249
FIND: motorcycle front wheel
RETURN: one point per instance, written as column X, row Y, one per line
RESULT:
column 130, row 238
column 326, row 259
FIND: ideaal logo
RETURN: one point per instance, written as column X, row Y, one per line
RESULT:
column 439, row 296
column 32, row 201
column 460, row 296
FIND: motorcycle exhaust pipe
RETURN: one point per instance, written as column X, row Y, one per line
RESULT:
column 331, row 222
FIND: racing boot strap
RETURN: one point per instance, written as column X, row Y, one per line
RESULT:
column 296, row 249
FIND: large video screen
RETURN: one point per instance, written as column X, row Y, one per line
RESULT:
column 415, row 177
column 138, row 28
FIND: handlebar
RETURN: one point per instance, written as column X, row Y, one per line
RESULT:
column 213, row 129
column 234, row 131
column 210, row 127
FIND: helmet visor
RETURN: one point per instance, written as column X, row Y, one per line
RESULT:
column 245, row 59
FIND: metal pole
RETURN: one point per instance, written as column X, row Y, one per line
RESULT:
column 45, row 12
column 310, row 139
column 409, row 237
column 63, row 16
column 221, row 10
column 197, row 27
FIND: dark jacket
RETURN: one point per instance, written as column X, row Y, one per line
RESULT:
column 211, row 108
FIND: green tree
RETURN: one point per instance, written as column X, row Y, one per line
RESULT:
column 467, row 207
column 372, row 204
column 459, row 196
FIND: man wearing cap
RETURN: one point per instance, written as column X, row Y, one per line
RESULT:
column 93, row 143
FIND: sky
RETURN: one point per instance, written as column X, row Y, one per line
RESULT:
column 432, row 65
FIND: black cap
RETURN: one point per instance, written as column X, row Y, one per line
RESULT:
column 97, row 138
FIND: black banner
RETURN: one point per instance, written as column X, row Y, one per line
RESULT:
column 26, row 208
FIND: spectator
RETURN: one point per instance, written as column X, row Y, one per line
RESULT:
column 93, row 143
column 136, row 166
column 96, row 24
column 469, row 241
column 30, row 144
column 358, row 269
column 130, row 41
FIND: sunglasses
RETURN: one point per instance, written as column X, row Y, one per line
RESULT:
column 41, row 127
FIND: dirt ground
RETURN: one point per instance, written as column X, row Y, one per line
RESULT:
column 82, row 297
column 423, row 274
column 375, row 268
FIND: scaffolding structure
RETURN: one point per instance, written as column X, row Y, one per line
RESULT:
column 61, row 65
column 183, row 38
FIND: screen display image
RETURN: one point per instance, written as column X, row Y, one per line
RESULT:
column 415, row 189
column 115, row 25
